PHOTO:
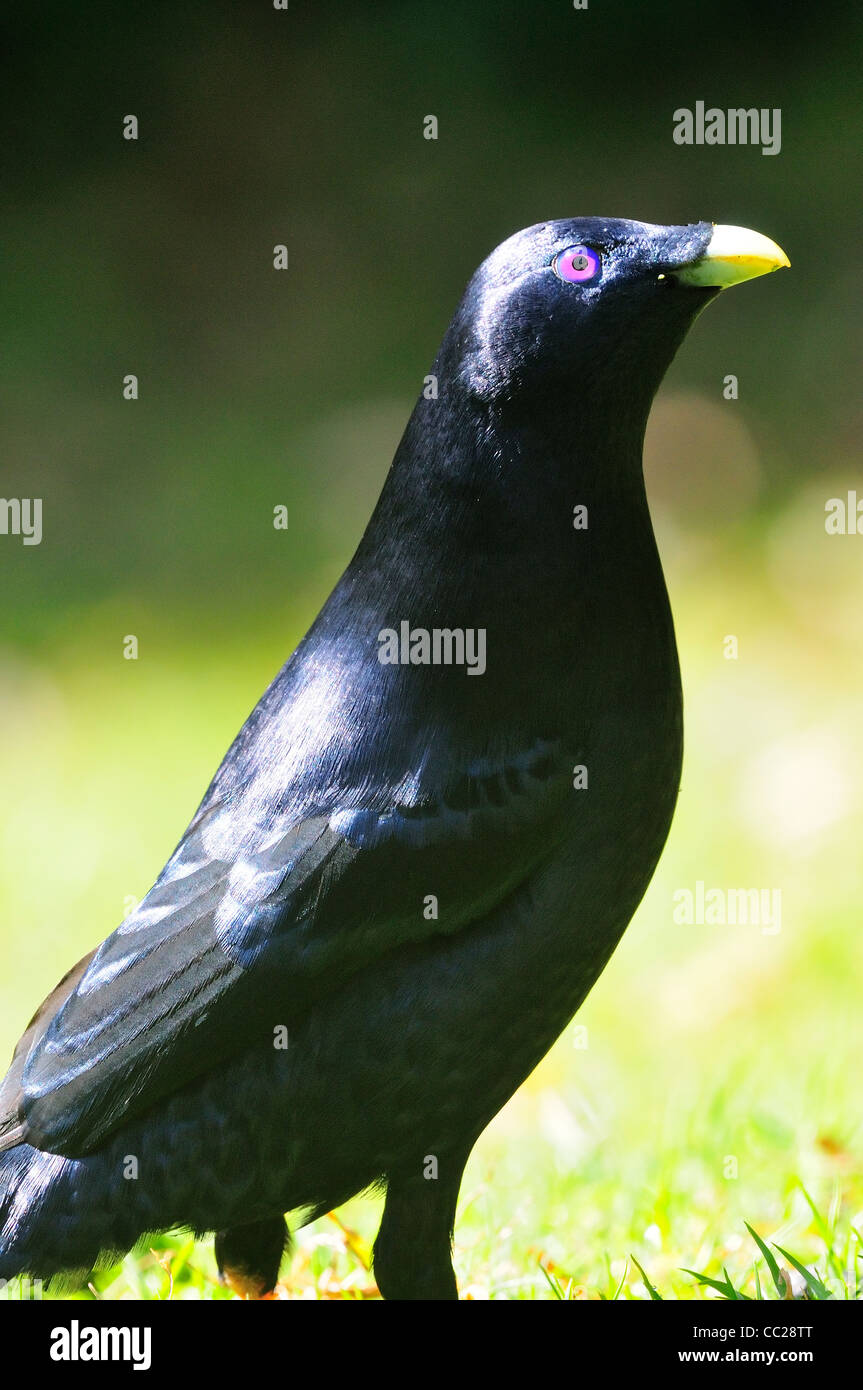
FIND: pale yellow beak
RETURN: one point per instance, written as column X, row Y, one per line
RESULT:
column 733, row 254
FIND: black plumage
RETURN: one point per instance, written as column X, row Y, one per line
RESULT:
column 299, row 902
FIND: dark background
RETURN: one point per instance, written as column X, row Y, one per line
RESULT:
column 260, row 127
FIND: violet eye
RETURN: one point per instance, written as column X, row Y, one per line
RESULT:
column 576, row 263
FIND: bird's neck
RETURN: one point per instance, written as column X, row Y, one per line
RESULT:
column 476, row 531
column 476, row 494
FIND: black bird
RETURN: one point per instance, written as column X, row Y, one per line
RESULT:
column 427, row 839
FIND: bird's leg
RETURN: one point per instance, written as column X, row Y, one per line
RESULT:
column 413, row 1251
column 249, row 1256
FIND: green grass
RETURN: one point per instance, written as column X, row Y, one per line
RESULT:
column 525, row 1231
column 709, row 1121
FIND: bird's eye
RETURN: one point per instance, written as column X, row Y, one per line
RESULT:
column 577, row 263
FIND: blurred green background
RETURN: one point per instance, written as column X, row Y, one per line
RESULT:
column 260, row 388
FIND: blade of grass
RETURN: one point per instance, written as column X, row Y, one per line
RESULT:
column 812, row 1281
column 617, row 1291
column 655, row 1295
column 727, row 1289
column 553, row 1283
column 775, row 1272
column 824, row 1232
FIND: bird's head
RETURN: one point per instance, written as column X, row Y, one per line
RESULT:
column 593, row 306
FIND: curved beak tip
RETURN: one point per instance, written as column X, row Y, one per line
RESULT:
column 733, row 254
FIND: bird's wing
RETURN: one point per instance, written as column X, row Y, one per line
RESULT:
column 11, row 1126
column 234, row 940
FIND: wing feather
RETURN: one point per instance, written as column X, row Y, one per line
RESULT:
column 227, row 944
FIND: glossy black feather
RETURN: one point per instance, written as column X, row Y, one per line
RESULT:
column 356, row 790
column 222, row 950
